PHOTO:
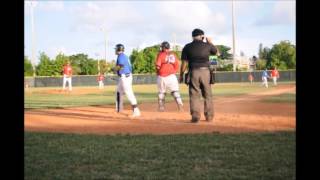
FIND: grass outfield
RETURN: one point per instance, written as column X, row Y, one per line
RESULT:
column 38, row 98
column 281, row 98
column 205, row 156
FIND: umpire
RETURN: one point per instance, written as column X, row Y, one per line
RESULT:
column 195, row 55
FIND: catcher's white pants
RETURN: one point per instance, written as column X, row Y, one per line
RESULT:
column 274, row 80
column 65, row 80
column 125, row 87
column 101, row 84
column 265, row 81
column 169, row 82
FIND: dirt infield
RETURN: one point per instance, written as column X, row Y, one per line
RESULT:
column 232, row 115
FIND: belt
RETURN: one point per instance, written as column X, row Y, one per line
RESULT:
column 127, row 75
column 201, row 68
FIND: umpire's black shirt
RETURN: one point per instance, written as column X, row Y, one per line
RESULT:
column 197, row 53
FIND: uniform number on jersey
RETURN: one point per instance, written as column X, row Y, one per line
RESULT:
column 170, row 59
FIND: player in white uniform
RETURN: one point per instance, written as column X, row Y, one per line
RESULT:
column 67, row 76
column 167, row 65
column 124, row 71
column 100, row 80
column 265, row 77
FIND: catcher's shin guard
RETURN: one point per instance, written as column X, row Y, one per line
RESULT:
column 178, row 99
column 161, row 101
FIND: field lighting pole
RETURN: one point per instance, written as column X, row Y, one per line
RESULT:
column 105, row 51
column 174, row 47
column 233, row 39
column 105, row 43
column 33, row 58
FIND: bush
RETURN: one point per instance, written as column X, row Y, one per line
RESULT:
column 228, row 67
column 28, row 69
column 242, row 69
column 261, row 64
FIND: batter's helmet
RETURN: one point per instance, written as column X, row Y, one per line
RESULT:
column 119, row 47
column 197, row 32
column 165, row 45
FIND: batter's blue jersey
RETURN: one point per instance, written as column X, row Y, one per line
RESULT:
column 124, row 62
column 264, row 74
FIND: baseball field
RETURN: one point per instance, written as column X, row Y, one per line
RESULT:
column 78, row 135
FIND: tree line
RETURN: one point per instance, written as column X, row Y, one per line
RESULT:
column 282, row 55
column 81, row 65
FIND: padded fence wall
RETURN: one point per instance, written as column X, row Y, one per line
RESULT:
column 221, row 77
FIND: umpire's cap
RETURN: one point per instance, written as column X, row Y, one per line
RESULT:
column 165, row 45
column 119, row 47
column 197, row 32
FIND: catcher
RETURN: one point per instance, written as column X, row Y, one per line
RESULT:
column 167, row 65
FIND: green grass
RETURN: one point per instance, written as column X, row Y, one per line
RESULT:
column 36, row 98
column 205, row 156
column 281, row 98
column 236, row 89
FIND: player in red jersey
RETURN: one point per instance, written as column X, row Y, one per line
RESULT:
column 275, row 75
column 100, row 79
column 67, row 76
column 167, row 65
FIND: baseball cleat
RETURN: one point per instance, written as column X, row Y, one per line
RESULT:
column 136, row 113
column 180, row 107
column 195, row 120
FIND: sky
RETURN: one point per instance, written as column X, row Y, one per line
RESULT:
column 72, row 27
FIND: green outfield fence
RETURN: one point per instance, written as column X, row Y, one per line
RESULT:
column 91, row 80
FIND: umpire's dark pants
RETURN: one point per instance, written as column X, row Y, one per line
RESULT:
column 200, row 85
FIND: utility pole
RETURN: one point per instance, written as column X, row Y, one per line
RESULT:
column 33, row 57
column 105, row 52
column 233, row 39
column 174, row 42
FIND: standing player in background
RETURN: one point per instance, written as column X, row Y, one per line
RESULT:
column 124, row 71
column 167, row 65
column 265, row 77
column 100, row 80
column 26, row 84
column 250, row 77
column 275, row 75
column 67, row 76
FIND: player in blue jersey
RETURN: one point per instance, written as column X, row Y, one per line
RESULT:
column 124, row 71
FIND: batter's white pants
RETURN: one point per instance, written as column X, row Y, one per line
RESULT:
column 65, row 80
column 265, row 82
column 274, row 80
column 125, row 87
column 101, row 84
